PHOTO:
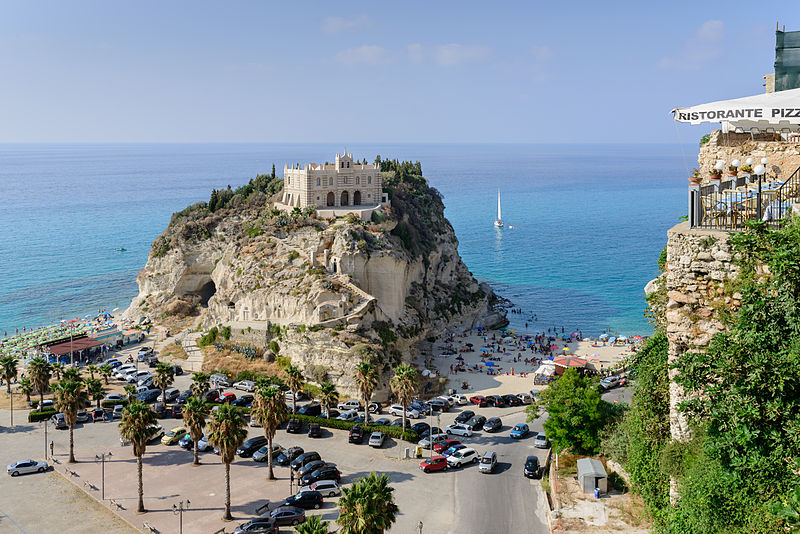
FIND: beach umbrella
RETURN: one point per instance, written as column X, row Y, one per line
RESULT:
column 470, row 345
column 484, row 350
column 603, row 336
column 489, row 364
column 574, row 334
column 622, row 338
column 612, row 339
column 553, row 347
column 637, row 338
column 115, row 309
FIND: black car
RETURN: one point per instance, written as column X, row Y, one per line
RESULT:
column 288, row 515
column 161, row 410
column 397, row 422
column 476, row 422
column 356, row 435
column 178, row 370
column 465, row 416
column 310, row 467
column 153, row 362
column 433, row 430
column 304, row 458
column 184, row 396
column 324, row 473
column 245, row 401
column 307, row 500
column 149, row 396
column 439, row 405
column 259, row 525
column 420, row 427
column 383, row 421
column 250, row 446
column 314, row 430
column 496, row 401
column 176, row 411
column 288, row 456
column 331, row 414
column 211, row 396
column 294, row 427
column 512, row 400
column 310, row 409
column 532, row 467
column 493, row 424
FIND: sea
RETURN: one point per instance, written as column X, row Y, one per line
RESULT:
column 584, row 223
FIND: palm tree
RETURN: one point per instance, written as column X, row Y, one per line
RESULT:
column 92, row 370
column 367, row 507
column 70, row 397
column 57, row 369
column 165, row 375
column 328, row 397
column 201, row 383
column 404, row 386
column 105, row 371
column 71, row 373
column 8, row 370
column 26, row 387
column 130, row 390
column 94, row 386
column 39, row 370
column 136, row 426
column 294, row 379
column 269, row 410
column 227, row 430
column 195, row 412
column 314, row 525
column 366, row 379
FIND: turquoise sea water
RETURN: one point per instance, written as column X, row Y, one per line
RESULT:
column 588, row 220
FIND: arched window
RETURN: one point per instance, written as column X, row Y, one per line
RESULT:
column 369, row 179
column 358, row 180
column 330, row 181
column 348, row 164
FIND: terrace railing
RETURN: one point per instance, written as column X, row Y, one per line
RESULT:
column 728, row 205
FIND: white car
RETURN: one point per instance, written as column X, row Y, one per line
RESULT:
column 376, row 439
column 349, row 415
column 449, row 400
column 117, row 412
column 461, row 400
column 245, row 385
column 462, row 457
column 24, row 467
column 135, row 376
column 434, row 439
column 459, row 430
column 525, row 398
column 147, row 380
column 172, row 394
column 114, row 397
column 328, row 488
column 349, row 405
column 397, row 409
column 123, row 371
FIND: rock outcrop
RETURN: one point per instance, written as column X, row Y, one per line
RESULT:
column 319, row 287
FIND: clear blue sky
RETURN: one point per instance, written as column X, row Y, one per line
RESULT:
column 585, row 71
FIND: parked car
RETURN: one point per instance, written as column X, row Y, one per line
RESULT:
column 82, row 416
column 227, row 397
column 186, row 441
column 160, row 409
column 184, row 396
column 259, row 525
column 173, row 436
column 476, row 422
column 288, row 515
column 460, row 399
column 435, row 463
column 305, row 499
column 148, row 382
column 488, row 462
column 532, row 468
column 144, row 351
column 374, row 407
column 250, row 446
column 525, row 398
column 376, row 439
column 298, row 395
column 433, row 430
column 496, row 401
column 450, row 400
column 541, row 441
column 304, row 458
column 465, row 416
column 398, row 423
column 512, row 400
column 219, row 380
column 149, row 396
column 520, row 431
column 289, row 455
column 245, row 385
column 59, row 421
column 171, row 395
column 435, row 438
column 452, row 449
column 419, row 428
column 98, row 414
column 243, row 401
column 152, row 362
column 493, row 424
column 609, row 382
column 310, row 467
column 112, row 362
column 261, row 454
column 330, row 414
column 422, row 407
column 383, row 421
column 439, row 405
column 137, row 376
column 459, row 429
column 47, row 404
column 123, row 370
column 313, row 409
column 479, row 400
column 294, row 427
column 397, row 409
column 444, row 445
column 23, row 467
column 116, row 413
column 349, row 415
column 156, row 433
column 116, row 397
column 324, row 473
column 177, row 369
column 314, row 430
column 203, row 445
column 349, row 405
column 462, row 457
column 211, row 395
column 328, row 488
column 356, row 435
column 176, row 411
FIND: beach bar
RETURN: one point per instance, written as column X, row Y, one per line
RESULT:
column 80, row 346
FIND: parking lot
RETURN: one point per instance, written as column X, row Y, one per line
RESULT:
column 458, row 500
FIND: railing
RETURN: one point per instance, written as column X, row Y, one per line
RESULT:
column 729, row 204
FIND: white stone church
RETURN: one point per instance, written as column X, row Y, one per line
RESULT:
column 335, row 189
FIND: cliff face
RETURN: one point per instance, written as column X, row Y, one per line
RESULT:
column 319, row 287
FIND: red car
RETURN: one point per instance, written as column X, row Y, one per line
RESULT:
column 479, row 400
column 437, row 463
column 444, row 445
column 227, row 397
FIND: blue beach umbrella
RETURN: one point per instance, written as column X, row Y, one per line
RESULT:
column 484, row 350
column 489, row 364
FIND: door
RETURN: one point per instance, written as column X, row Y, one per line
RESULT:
column 331, row 199
column 345, row 199
column 357, row 198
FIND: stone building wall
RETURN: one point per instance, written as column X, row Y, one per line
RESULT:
column 698, row 264
column 783, row 156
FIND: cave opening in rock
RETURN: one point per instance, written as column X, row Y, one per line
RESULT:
column 206, row 292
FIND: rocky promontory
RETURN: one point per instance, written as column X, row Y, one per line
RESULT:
column 323, row 292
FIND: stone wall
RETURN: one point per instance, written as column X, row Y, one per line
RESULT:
column 699, row 262
column 783, row 156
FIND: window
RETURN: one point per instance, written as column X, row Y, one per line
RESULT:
column 358, row 180
column 342, row 165
column 330, row 181
column 348, row 164
column 318, row 183
column 369, row 179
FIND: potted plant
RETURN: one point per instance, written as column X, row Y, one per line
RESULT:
column 732, row 171
column 695, row 179
column 747, row 169
column 716, row 174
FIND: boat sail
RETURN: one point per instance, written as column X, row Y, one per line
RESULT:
column 499, row 221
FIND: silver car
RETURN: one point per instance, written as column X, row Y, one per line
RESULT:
column 328, row 488
column 23, row 467
column 376, row 439
column 488, row 462
column 541, row 441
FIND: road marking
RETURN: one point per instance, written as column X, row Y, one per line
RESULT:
column 12, row 521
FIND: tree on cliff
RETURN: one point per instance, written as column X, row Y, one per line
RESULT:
column 136, row 426
column 328, row 397
column 227, row 430
column 294, row 379
column 367, row 380
column 269, row 410
column 404, row 384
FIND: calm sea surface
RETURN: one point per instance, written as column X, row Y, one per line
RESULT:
column 584, row 223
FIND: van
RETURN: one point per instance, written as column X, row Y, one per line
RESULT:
column 488, row 462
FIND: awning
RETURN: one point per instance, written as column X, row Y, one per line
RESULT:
column 77, row 345
column 780, row 110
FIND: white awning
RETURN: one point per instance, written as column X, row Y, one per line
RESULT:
column 780, row 110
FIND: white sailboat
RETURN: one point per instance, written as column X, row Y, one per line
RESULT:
column 499, row 221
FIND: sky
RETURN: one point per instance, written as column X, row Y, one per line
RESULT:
column 349, row 72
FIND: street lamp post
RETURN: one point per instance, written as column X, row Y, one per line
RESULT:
column 178, row 510
column 102, row 458
column 45, row 439
column 759, row 171
column 419, row 526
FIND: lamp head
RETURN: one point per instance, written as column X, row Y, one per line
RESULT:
column 749, row 161
column 759, row 170
column 764, row 161
column 720, row 165
column 736, row 163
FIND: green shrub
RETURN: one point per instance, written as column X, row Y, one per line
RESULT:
column 111, row 403
column 274, row 347
column 226, row 332
column 209, row 338
column 36, row 415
